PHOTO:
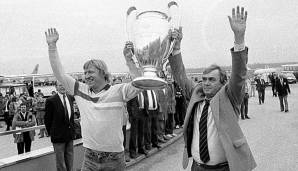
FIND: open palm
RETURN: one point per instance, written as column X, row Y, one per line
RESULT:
column 52, row 36
column 238, row 21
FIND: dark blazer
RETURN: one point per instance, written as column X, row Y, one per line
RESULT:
column 225, row 110
column 284, row 88
column 133, row 108
column 261, row 85
column 59, row 127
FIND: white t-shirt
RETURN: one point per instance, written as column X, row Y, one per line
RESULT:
column 102, row 115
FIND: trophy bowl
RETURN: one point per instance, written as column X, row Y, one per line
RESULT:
column 151, row 46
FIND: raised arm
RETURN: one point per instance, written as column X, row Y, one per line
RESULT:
column 239, row 55
column 177, row 66
column 67, row 81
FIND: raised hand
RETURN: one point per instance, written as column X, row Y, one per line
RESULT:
column 238, row 24
column 177, row 35
column 128, row 50
column 52, row 36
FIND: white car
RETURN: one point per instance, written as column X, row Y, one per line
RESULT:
column 290, row 77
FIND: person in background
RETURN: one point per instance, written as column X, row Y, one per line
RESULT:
column 244, row 104
column 283, row 89
column 162, row 114
column 273, row 78
column 39, row 92
column 253, row 87
column 13, row 109
column 40, row 113
column 6, row 112
column 2, row 103
column 261, row 85
column 136, row 112
column 59, row 123
column 23, row 119
column 171, row 105
column 77, row 120
column 53, row 93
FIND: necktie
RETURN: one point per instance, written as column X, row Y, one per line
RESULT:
column 146, row 103
column 204, row 153
column 65, row 107
column 153, row 99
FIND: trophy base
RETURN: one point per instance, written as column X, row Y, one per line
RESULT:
column 149, row 83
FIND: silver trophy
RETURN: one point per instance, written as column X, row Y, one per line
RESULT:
column 149, row 32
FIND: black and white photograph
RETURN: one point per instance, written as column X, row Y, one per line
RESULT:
column 148, row 85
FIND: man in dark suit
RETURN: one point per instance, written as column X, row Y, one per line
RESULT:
column 59, row 122
column 211, row 130
column 136, row 112
column 283, row 89
column 260, row 88
column 151, row 126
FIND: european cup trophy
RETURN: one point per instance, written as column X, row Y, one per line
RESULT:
column 149, row 32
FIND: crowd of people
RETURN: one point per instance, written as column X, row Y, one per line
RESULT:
column 26, row 110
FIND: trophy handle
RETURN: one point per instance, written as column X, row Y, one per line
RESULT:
column 131, row 16
column 175, row 23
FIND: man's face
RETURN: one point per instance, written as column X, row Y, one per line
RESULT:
column 211, row 83
column 93, row 77
column 60, row 88
column 23, row 108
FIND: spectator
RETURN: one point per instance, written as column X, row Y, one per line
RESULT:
column 260, row 84
column 40, row 114
column 6, row 112
column 170, row 123
column 283, row 89
column 23, row 119
column 59, row 122
column 244, row 104
column 136, row 112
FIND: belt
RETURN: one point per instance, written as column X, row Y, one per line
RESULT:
column 217, row 166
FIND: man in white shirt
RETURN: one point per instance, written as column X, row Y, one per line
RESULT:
column 101, row 107
column 212, row 134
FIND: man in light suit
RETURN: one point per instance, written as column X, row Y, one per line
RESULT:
column 212, row 133
column 59, row 122
column 282, row 89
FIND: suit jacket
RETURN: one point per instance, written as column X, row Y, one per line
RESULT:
column 260, row 84
column 133, row 108
column 225, row 109
column 282, row 88
column 59, row 126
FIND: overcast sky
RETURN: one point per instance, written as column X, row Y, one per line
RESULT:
column 96, row 29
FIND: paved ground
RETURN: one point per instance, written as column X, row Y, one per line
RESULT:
column 9, row 148
column 272, row 136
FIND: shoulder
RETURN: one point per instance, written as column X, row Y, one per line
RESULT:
column 52, row 98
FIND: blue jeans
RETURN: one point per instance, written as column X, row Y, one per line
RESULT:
column 64, row 156
column 103, row 161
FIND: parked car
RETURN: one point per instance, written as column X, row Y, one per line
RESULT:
column 291, row 78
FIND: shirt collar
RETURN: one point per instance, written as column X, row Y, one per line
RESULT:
column 106, row 87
